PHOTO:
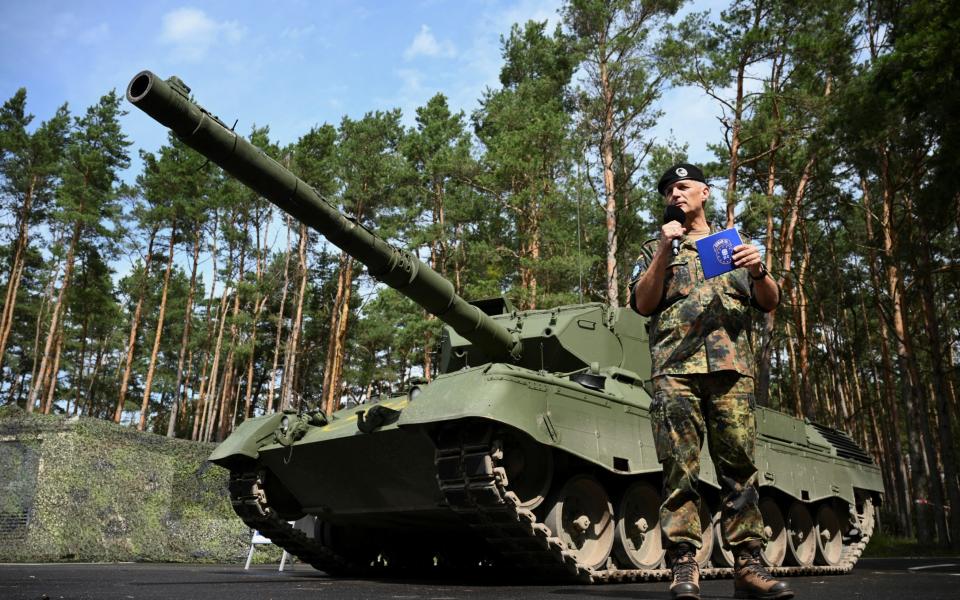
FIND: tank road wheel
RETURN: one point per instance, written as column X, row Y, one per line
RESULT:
column 638, row 543
column 801, row 536
column 707, row 535
column 581, row 516
column 529, row 466
column 829, row 537
column 775, row 529
column 722, row 558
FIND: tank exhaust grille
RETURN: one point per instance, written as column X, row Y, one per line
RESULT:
column 844, row 444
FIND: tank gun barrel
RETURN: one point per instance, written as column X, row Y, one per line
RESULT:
column 169, row 103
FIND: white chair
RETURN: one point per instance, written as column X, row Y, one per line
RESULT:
column 306, row 524
column 257, row 540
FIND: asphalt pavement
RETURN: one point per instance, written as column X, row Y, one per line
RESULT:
column 878, row 578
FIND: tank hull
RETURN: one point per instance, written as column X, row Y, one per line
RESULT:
column 410, row 478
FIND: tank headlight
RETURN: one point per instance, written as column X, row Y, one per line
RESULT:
column 414, row 392
column 284, row 424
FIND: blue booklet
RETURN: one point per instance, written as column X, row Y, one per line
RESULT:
column 716, row 252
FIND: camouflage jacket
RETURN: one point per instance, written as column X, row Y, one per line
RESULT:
column 701, row 325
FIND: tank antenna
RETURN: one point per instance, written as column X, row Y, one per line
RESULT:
column 579, row 231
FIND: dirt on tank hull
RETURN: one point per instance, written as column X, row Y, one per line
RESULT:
column 531, row 452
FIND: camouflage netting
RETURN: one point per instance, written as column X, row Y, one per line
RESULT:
column 90, row 490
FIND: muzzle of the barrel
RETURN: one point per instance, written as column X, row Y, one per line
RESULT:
column 161, row 101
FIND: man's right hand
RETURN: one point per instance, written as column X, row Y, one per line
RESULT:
column 669, row 232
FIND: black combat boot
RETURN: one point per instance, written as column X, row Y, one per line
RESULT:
column 686, row 573
column 751, row 578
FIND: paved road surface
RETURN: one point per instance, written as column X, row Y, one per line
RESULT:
column 893, row 578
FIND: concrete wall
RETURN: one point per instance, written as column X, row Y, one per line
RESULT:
column 89, row 490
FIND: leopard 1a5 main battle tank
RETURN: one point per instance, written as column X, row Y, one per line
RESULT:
column 531, row 450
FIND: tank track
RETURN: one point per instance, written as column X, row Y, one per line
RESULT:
column 249, row 500
column 477, row 489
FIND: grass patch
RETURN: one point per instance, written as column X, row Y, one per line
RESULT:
column 883, row 546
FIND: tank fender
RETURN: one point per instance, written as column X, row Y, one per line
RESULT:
column 245, row 442
column 595, row 426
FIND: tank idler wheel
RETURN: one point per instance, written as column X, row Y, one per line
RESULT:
column 775, row 529
column 801, row 536
column 638, row 543
column 528, row 465
column 581, row 515
column 722, row 558
column 829, row 537
column 707, row 536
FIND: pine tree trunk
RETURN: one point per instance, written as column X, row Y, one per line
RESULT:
column 38, row 327
column 81, row 358
column 932, row 325
column 891, row 405
column 58, row 309
column 134, row 326
column 209, row 398
column 280, row 321
column 16, row 270
column 226, row 392
column 145, row 405
column 91, row 388
column 731, row 195
column 801, row 316
column 212, row 394
column 54, row 372
column 258, row 304
column 200, row 406
column 331, row 399
column 530, row 254
column 200, row 411
column 293, row 347
column 921, row 483
column 179, row 399
column 189, row 388
column 609, row 189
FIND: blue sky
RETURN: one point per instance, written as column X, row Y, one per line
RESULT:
column 289, row 64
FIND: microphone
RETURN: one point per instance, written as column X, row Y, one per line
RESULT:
column 674, row 213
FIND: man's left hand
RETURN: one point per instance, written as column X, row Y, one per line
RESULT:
column 748, row 256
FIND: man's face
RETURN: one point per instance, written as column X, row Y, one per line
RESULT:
column 687, row 195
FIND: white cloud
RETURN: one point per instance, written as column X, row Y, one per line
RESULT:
column 191, row 32
column 425, row 44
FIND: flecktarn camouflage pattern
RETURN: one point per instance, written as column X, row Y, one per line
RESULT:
column 701, row 325
column 680, row 426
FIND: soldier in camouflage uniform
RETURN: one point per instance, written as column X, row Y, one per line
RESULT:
column 703, row 384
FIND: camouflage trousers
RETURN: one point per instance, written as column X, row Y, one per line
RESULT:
column 720, row 405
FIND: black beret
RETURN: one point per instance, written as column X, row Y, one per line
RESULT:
column 678, row 172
